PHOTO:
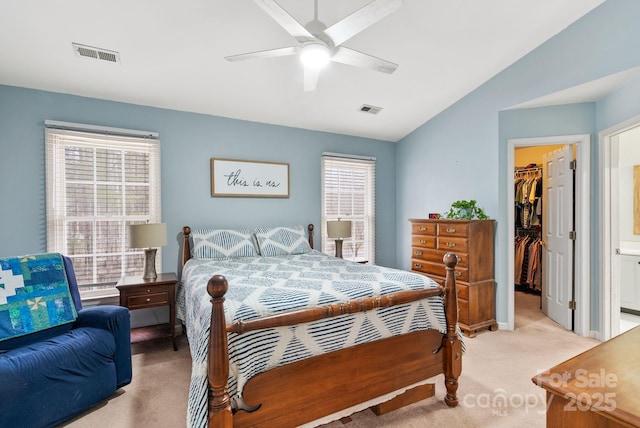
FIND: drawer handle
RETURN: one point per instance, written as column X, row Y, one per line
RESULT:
column 456, row 273
column 422, row 241
column 417, row 265
column 451, row 244
column 451, row 230
column 148, row 291
column 422, row 229
column 148, row 300
column 419, row 253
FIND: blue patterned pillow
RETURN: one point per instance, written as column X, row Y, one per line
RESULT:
column 34, row 295
column 222, row 243
column 282, row 241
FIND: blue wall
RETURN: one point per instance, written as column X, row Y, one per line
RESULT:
column 461, row 154
column 188, row 141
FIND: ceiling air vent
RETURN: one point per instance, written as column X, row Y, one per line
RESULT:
column 96, row 53
column 365, row 108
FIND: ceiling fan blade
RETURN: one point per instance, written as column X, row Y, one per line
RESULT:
column 311, row 76
column 360, row 19
column 285, row 20
column 271, row 53
column 351, row 57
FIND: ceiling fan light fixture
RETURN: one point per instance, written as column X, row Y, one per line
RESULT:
column 315, row 55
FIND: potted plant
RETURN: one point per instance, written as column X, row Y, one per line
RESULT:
column 467, row 210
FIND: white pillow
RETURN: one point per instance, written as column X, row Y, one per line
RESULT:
column 222, row 243
column 282, row 241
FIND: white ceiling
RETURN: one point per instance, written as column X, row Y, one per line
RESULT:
column 587, row 92
column 172, row 56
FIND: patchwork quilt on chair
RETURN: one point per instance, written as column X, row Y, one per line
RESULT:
column 34, row 295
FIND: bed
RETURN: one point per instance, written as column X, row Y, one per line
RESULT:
column 283, row 335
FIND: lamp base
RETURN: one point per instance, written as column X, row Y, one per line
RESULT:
column 150, row 263
column 339, row 248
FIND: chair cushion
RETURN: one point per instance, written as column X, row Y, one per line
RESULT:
column 34, row 295
column 51, row 381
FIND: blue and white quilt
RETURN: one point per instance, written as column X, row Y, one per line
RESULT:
column 262, row 285
column 34, row 295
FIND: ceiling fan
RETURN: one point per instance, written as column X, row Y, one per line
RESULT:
column 317, row 44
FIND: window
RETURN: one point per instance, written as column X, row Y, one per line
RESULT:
column 348, row 193
column 99, row 181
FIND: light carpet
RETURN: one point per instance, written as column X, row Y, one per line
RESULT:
column 495, row 389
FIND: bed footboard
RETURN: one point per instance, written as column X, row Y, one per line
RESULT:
column 447, row 358
column 220, row 413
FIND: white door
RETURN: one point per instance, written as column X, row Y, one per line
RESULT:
column 557, row 260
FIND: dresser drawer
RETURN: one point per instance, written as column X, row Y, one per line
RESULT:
column 423, row 241
column 436, row 256
column 450, row 243
column 453, row 229
column 463, row 291
column 423, row 228
column 438, row 269
column 424, row 267
column 463, row 311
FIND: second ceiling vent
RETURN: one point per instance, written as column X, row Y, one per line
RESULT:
column 366, row 108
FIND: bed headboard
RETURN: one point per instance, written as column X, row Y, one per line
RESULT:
column 186, row 242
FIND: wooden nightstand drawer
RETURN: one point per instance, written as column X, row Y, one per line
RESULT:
column 148, row 300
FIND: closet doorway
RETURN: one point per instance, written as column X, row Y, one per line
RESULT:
column 576, row 267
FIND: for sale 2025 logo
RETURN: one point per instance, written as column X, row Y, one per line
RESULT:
column 597, row 386
column 596, row 389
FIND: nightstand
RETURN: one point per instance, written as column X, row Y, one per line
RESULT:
column 138, row 293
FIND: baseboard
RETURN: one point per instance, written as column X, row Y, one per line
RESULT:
column 503, row 326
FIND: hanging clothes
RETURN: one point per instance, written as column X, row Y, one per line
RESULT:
column 528, row 263
column 528, row 227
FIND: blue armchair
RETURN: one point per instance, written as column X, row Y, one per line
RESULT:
column 52, row 375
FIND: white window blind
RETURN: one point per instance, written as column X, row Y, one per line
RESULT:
column 98, row 183
column 348, row 193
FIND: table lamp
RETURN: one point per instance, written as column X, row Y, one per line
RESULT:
column 146, row 236
column 339, row 230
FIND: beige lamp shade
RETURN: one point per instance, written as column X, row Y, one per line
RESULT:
column 148, row 235
column 339, row 229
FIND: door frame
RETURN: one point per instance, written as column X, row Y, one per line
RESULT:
column 583, row 216
column 609, row 292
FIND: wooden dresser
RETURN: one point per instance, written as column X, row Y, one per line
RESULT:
column 597, row 388
column 473, row 243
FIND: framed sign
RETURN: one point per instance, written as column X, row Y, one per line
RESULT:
column 249, row 178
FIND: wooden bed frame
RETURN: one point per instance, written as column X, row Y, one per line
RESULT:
column 307, row 390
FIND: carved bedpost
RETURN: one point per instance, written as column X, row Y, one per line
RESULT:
column 310, row 229
column 186, row 247
column 220, row 415
column 452, row 345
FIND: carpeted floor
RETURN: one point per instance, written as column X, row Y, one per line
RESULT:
column 497, row 368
